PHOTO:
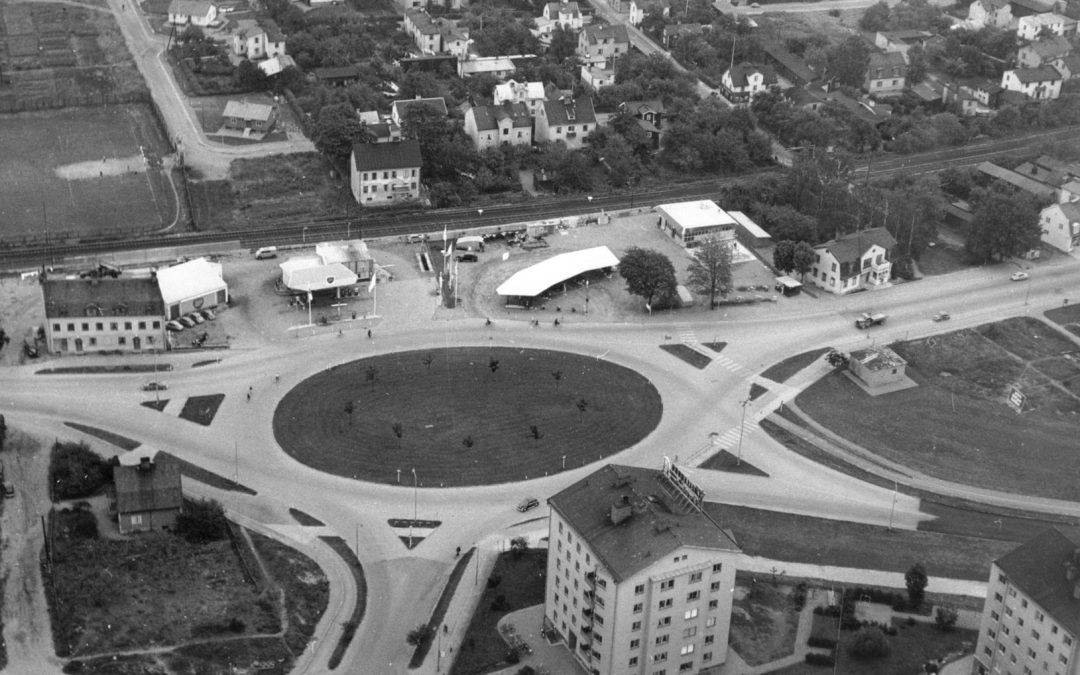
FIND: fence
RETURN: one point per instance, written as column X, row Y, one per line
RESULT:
column 84, row 101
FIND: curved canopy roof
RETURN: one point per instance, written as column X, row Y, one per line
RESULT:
column 533, row 281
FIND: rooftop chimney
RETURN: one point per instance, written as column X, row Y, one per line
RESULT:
column 621, row 510
column 145, row 464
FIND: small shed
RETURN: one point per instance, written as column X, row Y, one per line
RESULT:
column 749, row 233
column 788, row 286
column 878, row 366
column 149, row 493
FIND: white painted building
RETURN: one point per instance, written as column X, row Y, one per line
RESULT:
column 690, row 222
column 1060, row 225
column 855, row 261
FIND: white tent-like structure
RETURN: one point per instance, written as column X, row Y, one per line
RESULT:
column 193, row 285
column 532, row 281
column 310, row 274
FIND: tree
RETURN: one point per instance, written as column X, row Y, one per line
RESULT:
column 648, row 273
column 802, row 258
column 564, row 42
column 848, row 61
column 371, row 374
column 916, row 580
column 869, row 643
column 518, row 546
column 557, row 376
column 420, row 635
column 945, row 618
column 875, row 18
column 710, row 269
column 202, row 521
column 250, row 76
column 1004, row 224
column 493, row 364
column 336, row 130
column 783, row 256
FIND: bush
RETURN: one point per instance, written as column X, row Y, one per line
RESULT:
column 202, row 521
column 945, row 618
column 512, row 657
column 77, row 471
column 821, row 642
column 815, row 659
column 870, row 643
column 526, row 670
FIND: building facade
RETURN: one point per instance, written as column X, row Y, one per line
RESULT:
column 690, row 222
column 148, row 491
column 742, row 83
column 567, row 120
column 1031, row 619
column 1042, row 83
column 886, row 75
column 639, row 579
column 601, row 43
column 1060, row 225
column 490, row 126
column 385, row 173
column 856, row 261
column 103, row 314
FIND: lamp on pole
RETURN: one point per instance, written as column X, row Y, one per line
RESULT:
column 479, row 213
column 414, row 498
column 586, row 296
column 745, row 402
column 892, row 509
column 476, row 580
column 303, row 235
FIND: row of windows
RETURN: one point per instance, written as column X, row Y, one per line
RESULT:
column 386, row 188
column 374, row 175
column 100, row 326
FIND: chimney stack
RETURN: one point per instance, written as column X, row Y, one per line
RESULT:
column 621, row 510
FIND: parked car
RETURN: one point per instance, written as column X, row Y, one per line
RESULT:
column 196, row 317
column 187, row 321
column 467, row 257
column 867, row 320
column 154, row 386
column 1019, row 276
column 208, row 314
column 266, row 252
column 9, row 490
column 174, row 325
column 528, row 503
column 942, row 316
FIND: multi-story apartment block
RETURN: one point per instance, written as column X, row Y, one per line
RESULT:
column 102, row 314
column 639, row 579
column 1031, row 620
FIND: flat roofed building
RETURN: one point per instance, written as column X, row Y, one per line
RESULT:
column 877, row 366
column 639, row 580
column 103, row 314
column 1031, row 618
column 242, row 115
column 690, row 222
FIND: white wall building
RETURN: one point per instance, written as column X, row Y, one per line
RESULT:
column 190, row 286
column 1060, row 225
column 690, row 222
column 855, row 261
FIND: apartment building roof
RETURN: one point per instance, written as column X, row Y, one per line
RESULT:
column 1039, row 569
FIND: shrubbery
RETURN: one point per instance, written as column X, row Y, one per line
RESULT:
column 76, row 471
column 815, row 659
column 821, row 642
column 870, row 643
column 202, row 521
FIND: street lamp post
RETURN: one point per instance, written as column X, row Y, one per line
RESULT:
column 586, row 296
column 303, row 235
column 412, row 523
column 479, row 213
column 744, row 403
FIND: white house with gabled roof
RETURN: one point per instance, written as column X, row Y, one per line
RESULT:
column 1060, row 225
column 860, row 260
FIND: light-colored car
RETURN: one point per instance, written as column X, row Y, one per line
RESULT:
column 266, row 253
column 1019, row 276
column 174, row 325
column 196, row 317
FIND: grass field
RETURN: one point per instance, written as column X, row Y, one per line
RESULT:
column 460, row 422
column 764, row 620
column 34, row 198
column 956, row 424
column 781, row 372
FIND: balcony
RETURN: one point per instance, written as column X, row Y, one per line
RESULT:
column 586, row 612
column 588, row 595
column 584, row 647
column 590, row 578
column 586, row 630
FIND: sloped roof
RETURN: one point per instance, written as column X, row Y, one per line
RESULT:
column 438, row 104
column 248, row 111
column 511, row 91
column 597, row 32
column 72, row 298
column 191, row 279
column 153, row 487
column 741, row 73
column 380, row 156
column 1040, row 74
column 488, row 116
column 887, row 60
column 570, row 111
column 1071, row 63
column 657, row 526
column 1038, row 569
column 1051, row 47
column 487, row 64
column 190, row 7
column 1035, row 6
column 532, row 281
column 571, row 8
column 793, row 64
column 851, row 247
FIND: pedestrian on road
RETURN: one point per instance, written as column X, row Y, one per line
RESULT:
column 369, row 333
column 457, row 552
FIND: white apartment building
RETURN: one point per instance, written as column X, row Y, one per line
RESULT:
column 639, row 579
column 1031, row 620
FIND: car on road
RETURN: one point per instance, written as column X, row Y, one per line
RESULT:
column 154, row 386
column 467, row 257
column 756, row 5
column 867, row 320
column 207, row 314
column 266, row 253
column 174, row 325
column 196, row 317
column 187, row 321
column 9, row 490
column 1019, row 276
column 527, row 504
column 942, row 316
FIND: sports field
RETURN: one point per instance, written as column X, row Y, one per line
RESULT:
column 82, row 170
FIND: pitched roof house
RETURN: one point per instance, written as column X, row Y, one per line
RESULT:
column 565, row 14
column 567, row 119
column 855, row 261
column 599, row 43
column 740, row 84
column 596, row 78
column 639, row 9
column 258, row 39
column 490, row 126
column 1060, row 224
column 530, row 93
column 103, row 314
column 149, row 492
column 242, row 115
column 385, row 173
column 1030, row 27
column 1042, row 83
column 1042, row 52
column 996, row 13
column 200, row 13
column 436, row 103
column 1068, row 66
column 886, row 74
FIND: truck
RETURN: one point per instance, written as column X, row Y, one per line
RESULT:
column 867, row 319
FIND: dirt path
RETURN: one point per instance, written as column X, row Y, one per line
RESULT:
column 27, row 629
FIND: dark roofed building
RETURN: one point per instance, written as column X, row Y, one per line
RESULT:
column 385, row 173
column 789, row 66
column 741, row 83
column 567, row 119
column 437, row 104
column 339, row 76
column 854, row 261
column 490, row 126
column 1043, row 51
column 148, row 489
column 100, row 313
column 635, row 547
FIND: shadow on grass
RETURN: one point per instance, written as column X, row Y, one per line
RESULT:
column 436, row 621
column 201, row 409
column 725, row 461
column 342, row 549
column 122, row 442
column 783, row 371
column 687, row 354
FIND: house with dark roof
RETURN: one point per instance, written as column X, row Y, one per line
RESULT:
column 649, row 116
column 200, row 13
column 996, row 13
column 1031, row 616
column 148, row 491
column 433, row 35
column 385, row 173
column 103, row 314
column 856, row 261
column 565, row 14
column 1042, row 83
column 741, row 83
column 339, row 76
column 789, row 66
column 567, row 119
column 1068, row 66
column 1022, row 8
column 490, row 126
column 260, row 39
column 1043, row 51
column 971, row 96
column 1035, row 187
column 599, row 43
column 638, row 575
column 886, row 74
column 901, row 40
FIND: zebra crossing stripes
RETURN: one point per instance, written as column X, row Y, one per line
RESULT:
column 730, row 438
column 727, row 364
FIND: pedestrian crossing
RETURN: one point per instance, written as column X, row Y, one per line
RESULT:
column 730, row 438
column 688, row 337
column 724, row 362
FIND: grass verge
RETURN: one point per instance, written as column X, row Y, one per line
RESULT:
column 435, row 623
column 688, row 355
column 520, row 582
column 725, row 461
column 341, row 547
column 100, row 370
column 306, row 588
column 201, row 409
column 783, row 371
column 122, row 442
column 212, row 479
column 764, row 620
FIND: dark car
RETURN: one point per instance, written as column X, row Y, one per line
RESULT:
column 154, row 386
column 467, row 257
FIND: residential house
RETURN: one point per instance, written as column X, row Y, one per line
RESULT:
column 886, row 74
column 275, row 64
column 788, row 66
column 690, row 222
column 385, row 173
column 530, row 93
column 148, row 491
column 1022, row 8
column 1042, row 83
column 565, row 14
column 490, row 126
column 199, row 13
column 877, row 366
column 1060, row 224
column 649, row 116
column 1039, row 25
column 435, row 35
column 1042, row 52
column 256, row 117
column 1050, row 171
column 740, row 84
column 1031, row 616
column 639, row 9
column 599, row 43
column 995, row 13
column 499, row 67
column 596, row 78
column 1034, row 187
column 639, row 577
column 258, row 40
column 972, row 96
column 1068, row 66
column 567, row 119
column 102, row 314
column 436, row 104
column 339, row 76
column 673, row 32
column 901, row 40
column 856, row 261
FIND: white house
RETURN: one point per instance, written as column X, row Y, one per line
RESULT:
column 191, row 286
column 568, row 120
column 639, row 9
column 565, row 14
column 600, row 43
column 1060, row 225
column 1030, row 27
column 996, row 13
column 886, row 74
column 855, row 261
column 740, row 84
column 690, row 222
column 1042, row 83
column 195, row 12
column 597, row 78
column 385, row 173
column 490, row 126
column 1043, row 51
column 103, row 314
column 258, row 39
column 529, row 93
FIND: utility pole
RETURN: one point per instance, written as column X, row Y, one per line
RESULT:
column 744, row 403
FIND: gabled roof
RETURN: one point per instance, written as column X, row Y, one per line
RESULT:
column 511, row 91
column 248, row 111
column 1038, row 567
column 741, row 73
column 1071, row 211
column 993, row 5
column 641, row 107
column 571, row 8
column 596, row 32
column 1051, row 47
column 151, row 486
column 380, row 156
column 190, row 7
column 1035, row 6
column 1070, row 63
column 887, row 60
column 1015, row 179
column 657, row 525
column 1040, row 74
column 795, row 65
column 273, row 33
column 73, row 298
column 569, row 111
column 488, row 116
column 851, row 247
column 437, row 104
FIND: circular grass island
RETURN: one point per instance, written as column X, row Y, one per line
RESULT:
column 465, row 416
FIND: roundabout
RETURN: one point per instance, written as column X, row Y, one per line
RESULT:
column 465, row 415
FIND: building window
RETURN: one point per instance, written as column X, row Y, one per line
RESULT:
column 666, row 603
column 113, row 326
column 56, row 328
column 695, row 577
column 710, row 622
column 142, row 325
column 664, row 621
column 714, row 586
column 690, row 614
column 86, row 326
column 636, row 626
column 689, row 632
column 99, row 326
column 667, row 585
column 93, row 342
column 121, row 340
column 638, row 607
column 639, row 589
column 662, row 639
column 693, row 595
column 633, row 661
column 709, row 639
column 687, row 649
column 713, row 604
column 71, row 328
column 635, row 643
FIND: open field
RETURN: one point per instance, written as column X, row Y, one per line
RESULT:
column 110, row 186
column 966, row 431
column 458, row 413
